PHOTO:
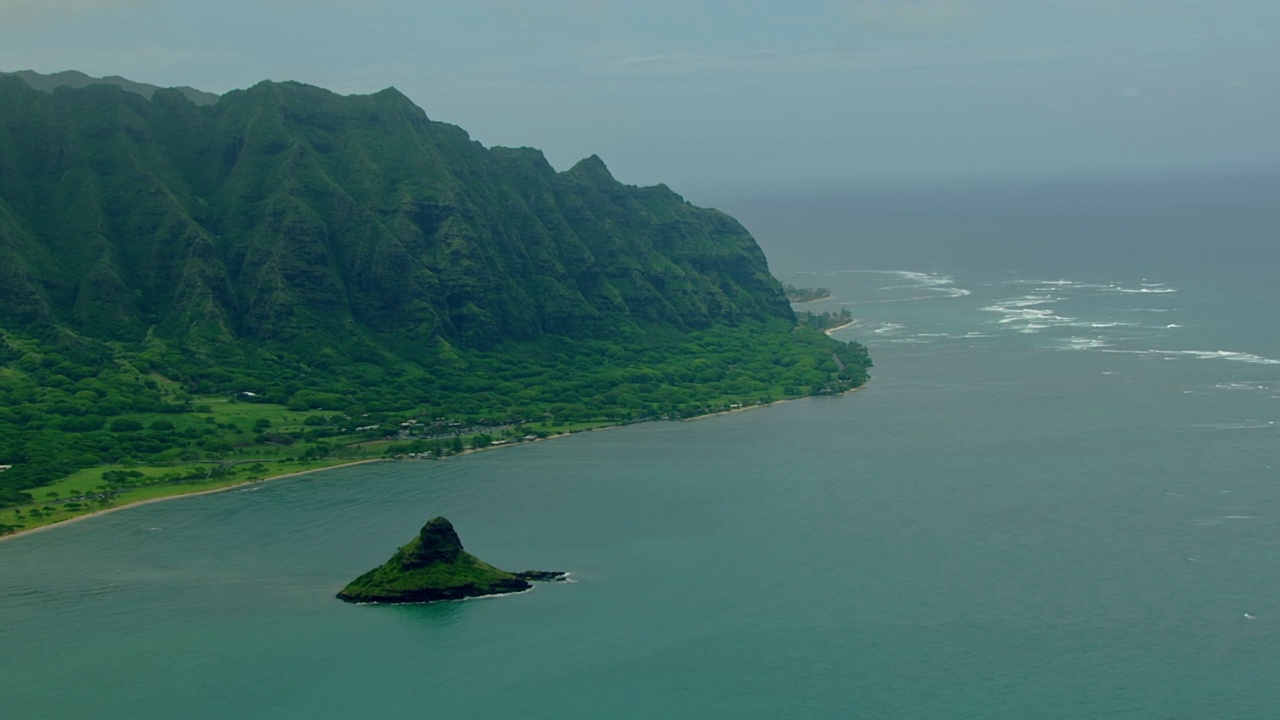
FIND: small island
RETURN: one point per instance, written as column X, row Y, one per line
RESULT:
column 804, row 294
column 434, row 567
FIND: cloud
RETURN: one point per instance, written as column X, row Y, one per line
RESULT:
column 32, row 10
column 911, row 15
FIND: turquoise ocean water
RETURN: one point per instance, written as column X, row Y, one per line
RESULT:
column 1058, row 498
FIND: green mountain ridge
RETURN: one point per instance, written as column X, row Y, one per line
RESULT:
column 285, row 210
column 348, row 253
column 76, row 79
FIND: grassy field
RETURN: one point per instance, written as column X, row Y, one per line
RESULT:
column 74, row 491
column 252, row 441
column 231, row 443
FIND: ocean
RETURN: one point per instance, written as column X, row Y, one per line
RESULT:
column 1059, row 497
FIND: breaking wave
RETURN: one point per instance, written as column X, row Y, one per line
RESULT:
column 1203, row 355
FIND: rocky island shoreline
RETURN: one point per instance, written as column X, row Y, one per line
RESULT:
column 433, row 567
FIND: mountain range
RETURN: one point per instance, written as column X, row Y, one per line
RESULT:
column 76, row 79
column 285, row 211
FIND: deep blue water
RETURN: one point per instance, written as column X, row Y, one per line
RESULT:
column 1058, row 498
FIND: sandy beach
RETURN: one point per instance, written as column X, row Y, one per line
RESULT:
column 851, row 323
column 239, row 485
column 140, row 503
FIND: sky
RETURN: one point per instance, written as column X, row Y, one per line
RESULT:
column 693, row 92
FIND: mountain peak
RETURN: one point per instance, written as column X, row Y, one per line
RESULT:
column 593, row 168
column 437, row 542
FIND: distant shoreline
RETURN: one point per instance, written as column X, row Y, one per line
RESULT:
column 235, row 486
column 469, row 451
column 851, row 323
column 150, row 501
column 744, row 408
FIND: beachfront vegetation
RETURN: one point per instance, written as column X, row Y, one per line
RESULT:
column 96, row 432
column 805, row 294
column 824, row 320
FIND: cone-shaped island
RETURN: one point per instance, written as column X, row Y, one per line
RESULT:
column 433, row 566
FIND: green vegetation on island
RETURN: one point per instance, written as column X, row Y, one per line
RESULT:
column 432, row 567
column 804, row 294
column 193, row 296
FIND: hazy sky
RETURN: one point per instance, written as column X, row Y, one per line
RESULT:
column 688, row 92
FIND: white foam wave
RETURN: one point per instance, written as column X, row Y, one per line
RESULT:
column 918, row 278
column 1085, row 343
column 1149, row 288
column 944, row 284
column 1031, row 300
column 891, row 300
column 953, row 336
column 1203, row 355
column 1049, row 285
column 1014, row 313
column 1251, row 425
column 1144, row 290
column 1025, row 315
column 1060, row 283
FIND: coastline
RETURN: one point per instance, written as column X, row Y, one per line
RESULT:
column 150, row 501
column 810, row 300
column 236, row 486
column 468, row 451
column 744, row 408
column 828, row 331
